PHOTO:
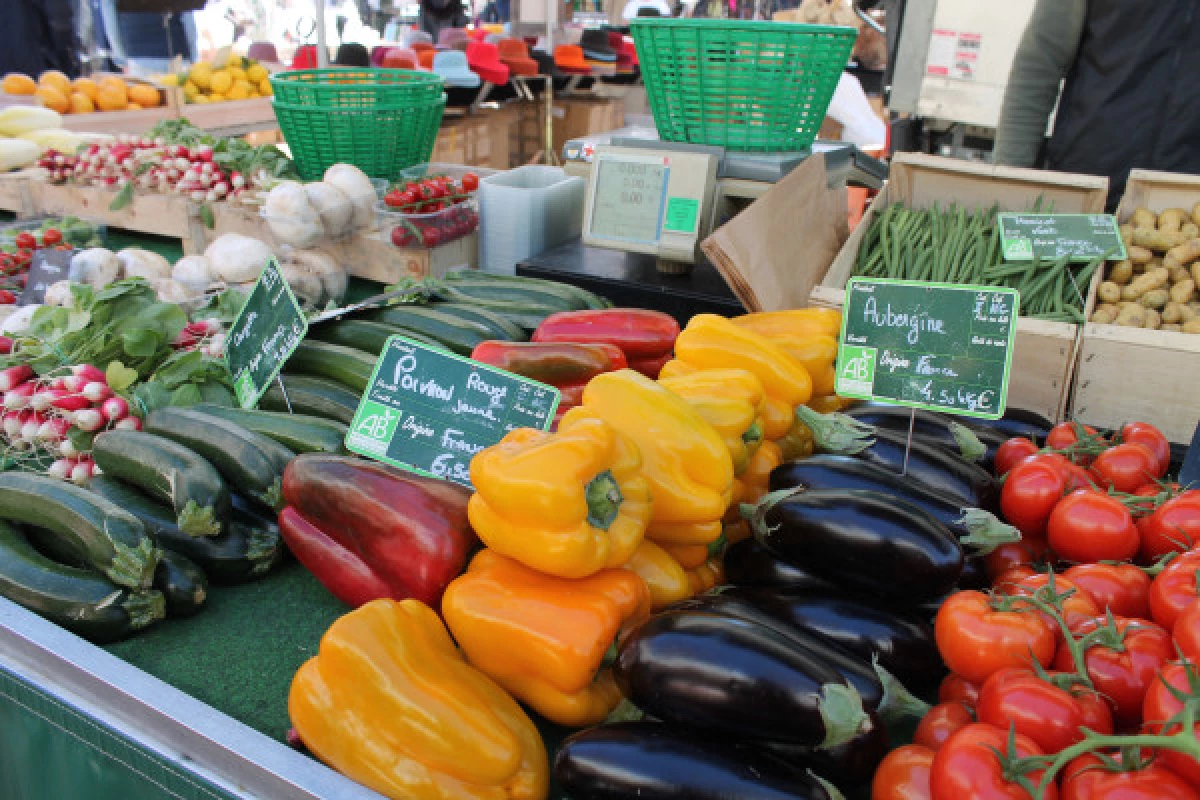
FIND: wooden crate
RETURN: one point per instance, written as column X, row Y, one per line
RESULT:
column 136, row 122
column 16, row 193
column 1129, row 374
column 231, row 117
column 1045, row 354
column 158, row 214
column 483, row 139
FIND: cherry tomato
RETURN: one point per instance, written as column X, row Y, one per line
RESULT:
column 1087, row 526
column 393, row 199
column 1088, row 778
column 957, row 689
column 1173, row 526
column 1125, row 467
column 1123, row 589
column 1029, row 552
column 1186, row 632
column 431, row 238
column 975, row 639
column 903, row 774
column 1161, row 704
column 1174, row 589
column 1079, row 606
column 1152, row 439
column 940, row 723
column 1011, row 453
column 51, row 237
column 470, row 182
column 1030, row 493
column 967, row 767
column 7, row 297
column 402, row 236
column 1051, row 717
column 26, row 241
column 1065, row 436
column 1122, row 673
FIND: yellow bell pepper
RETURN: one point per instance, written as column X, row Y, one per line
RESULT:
column 817, row 353
column 667, row 581
column 681, row 533
column 541, row 637
column 755, row 481
column 777, row 415
column 684, row 460
column 793, row 322
column 706, row 576
column 731, row 400
column 688, row 556
column 569, row 503
column 389, row 702
column 710, row 342
column 830, row 403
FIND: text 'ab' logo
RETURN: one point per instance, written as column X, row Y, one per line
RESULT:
column 859, row 365
column 378, row 423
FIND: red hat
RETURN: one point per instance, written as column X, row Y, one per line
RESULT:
column 305, row 57
column 515, row 54
column 484, row 59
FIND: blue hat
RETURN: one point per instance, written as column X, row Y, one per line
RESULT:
column 452, row 66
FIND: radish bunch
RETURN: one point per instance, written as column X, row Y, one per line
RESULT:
column 39, row 415
column 206, row 335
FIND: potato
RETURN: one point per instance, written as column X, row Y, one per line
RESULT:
column 1121, row 272
column 1153, row 320
column 1155, row 298
column 1190, row 229
column 1144, row 218
column 1104, row 316
column 1127, row 234
column 1192, row 325
column 1132, row 317
column 1161, row 276
column 1170, row 262
column 1178, row 275
column 1158, row 241
column 1196, row 272
column 1139, row 255
column 1185, row 253
column 1182, row 292
column 1171, row 220
column 1188, row 312
column 1109, row 292
column 1172, row 312
column 1144, row 283
column 1196, row 213
column 1173, row 328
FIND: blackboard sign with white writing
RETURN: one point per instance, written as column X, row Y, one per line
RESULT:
column 928, row 345
column 265, row 333
column 1082, row 237
column 47, row 267
column 430, row 411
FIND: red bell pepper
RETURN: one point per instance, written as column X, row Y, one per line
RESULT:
column 640, row 333
column 368, row 531
column 556, row 363
column 650, row 367
column 571, row 396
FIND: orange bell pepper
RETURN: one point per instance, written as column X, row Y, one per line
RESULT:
column 708, row 575
column 667, row 581
column 689, row 556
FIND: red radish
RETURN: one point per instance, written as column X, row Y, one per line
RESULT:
column 129, row 424
column 57, row 383
column 66, row 449
column 11, row 422
column 61, row 468
column 115, row 409
column 97, row 391
column 6, row 345
column 89, row 373
column 44, row 399
column 13, row 376
column 53, row 430
column 73, row 384
column 81, row 472
column 70, row 401
column 19, row 397
column 89, row 420
column 31, row 426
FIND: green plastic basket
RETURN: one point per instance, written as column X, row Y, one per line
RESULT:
column 743, row 85
column 355, row 88
column 381, row 140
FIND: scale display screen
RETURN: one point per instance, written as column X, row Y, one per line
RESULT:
column 629, row 198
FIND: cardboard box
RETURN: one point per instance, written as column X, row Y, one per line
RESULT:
column 483, row 139
column 1130, row 374
column 581, row 115
column 1045, row 354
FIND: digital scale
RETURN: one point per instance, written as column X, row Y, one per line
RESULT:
column 662, row 199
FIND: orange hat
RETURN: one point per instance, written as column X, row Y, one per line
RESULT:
column 400, row 58
column 515, row 53
column 569, row 58
column 425, row 57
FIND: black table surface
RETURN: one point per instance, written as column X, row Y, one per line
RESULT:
column 632, row 279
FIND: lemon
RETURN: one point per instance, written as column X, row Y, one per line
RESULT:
column 190, row 90
column 216, row 97
column 238, row 73
column 201, row 99
column 256, row 73
column 264, row 86
column 240, row 90
column 169, row 80
column 222, row 81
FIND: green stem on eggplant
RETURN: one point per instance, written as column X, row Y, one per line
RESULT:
column 898, row 702
column 968, row 443
column 831, row 790
column 842, row 713
column 836, row 433
column 985, row 532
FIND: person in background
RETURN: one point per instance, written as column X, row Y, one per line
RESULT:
column 38, row 35
column 1127, row 100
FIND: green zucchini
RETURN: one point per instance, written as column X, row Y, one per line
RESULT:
column 244, row 551
column 543, row 293
column 250, row 461
column 590, row 299
column 297, row 432
column 79, row 600
column 169, row 472
column 502, row 328
column 526, row 316
column 316, row 397
column 458, row 334
column 106, row 537
column 182, row 583
column 367, row 336
column 348, row 366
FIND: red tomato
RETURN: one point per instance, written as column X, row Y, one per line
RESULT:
column 1122, row 673
column 957, row 689
column 1123, row 589
column 1075, row 609
column 903, row 774
column 1011, row 453
column 1174, row 589
column 394, row 198
column 940, row 723
column 1028, row 552
column 1152, row 439
column 1051, row 717
column 1186, row 632
column 976, row 640
column 51, row 237
column 1030, row 493
column 1160, row 705
column 26, row 241
column 967, row 767
column 1087, row 778
column 470, row 182
column 1125, row 467
column 1007, row 582
column 1066, row 435
column 402, row 236
column 7, row 297
column 1088, row 526
column 1173, row 526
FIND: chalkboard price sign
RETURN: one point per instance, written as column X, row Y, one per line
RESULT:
column 928, row 345
column 1082, row 237
column 265, row 333
column 47, row 267
column 430, row 411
